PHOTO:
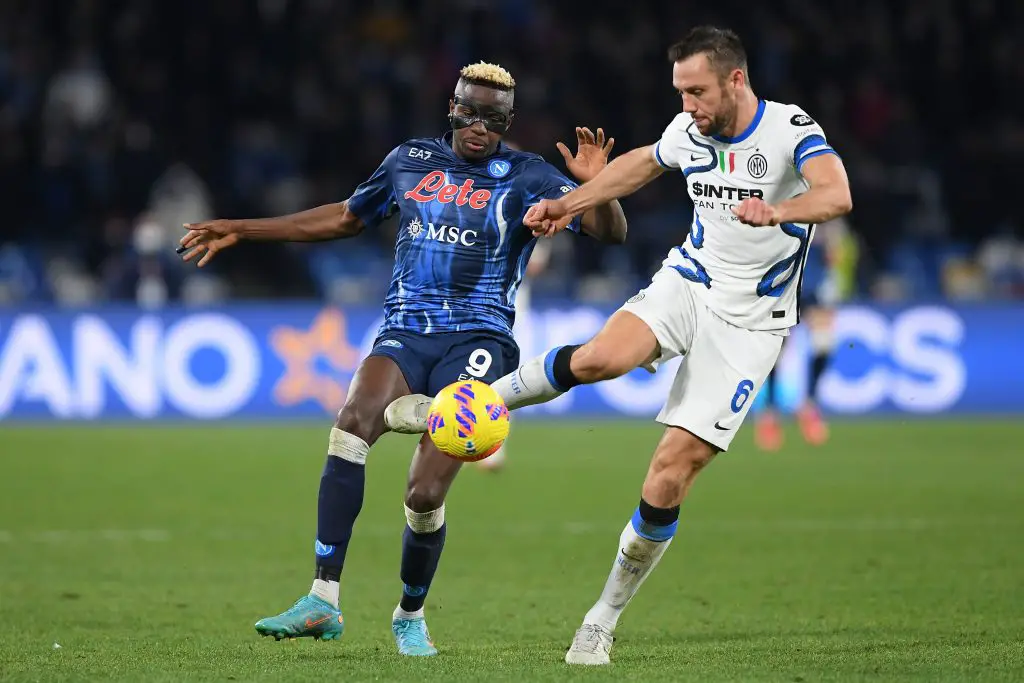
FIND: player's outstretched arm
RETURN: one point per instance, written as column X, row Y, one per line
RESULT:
column 623, row 176
column 327, row 222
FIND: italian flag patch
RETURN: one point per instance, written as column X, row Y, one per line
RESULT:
column 726, row 161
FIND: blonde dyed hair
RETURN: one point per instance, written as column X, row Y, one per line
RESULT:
column 489, row 74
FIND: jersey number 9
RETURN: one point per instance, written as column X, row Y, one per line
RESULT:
column 479, row 363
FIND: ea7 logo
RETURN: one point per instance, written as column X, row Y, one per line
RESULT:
column 451, row 234
column 801, row 120
column 435, row 187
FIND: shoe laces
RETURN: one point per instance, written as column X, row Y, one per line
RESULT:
column 591, row 638
column 300, row 607
column 413, row 632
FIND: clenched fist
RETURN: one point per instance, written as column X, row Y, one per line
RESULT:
column 757, row 212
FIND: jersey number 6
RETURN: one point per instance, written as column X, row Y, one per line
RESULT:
column 739, row 399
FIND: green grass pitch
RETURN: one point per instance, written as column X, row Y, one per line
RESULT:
column 147, row 553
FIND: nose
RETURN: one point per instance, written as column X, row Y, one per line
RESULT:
column 689, row 104
column 478, row 127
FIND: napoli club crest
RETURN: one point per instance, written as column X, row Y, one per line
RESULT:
column 499, row 168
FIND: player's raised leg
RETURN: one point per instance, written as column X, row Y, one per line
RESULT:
column 625, row 343
column 430, row 476
column 678, row 459
column 377, row 382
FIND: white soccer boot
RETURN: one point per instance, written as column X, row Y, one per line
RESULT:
column 590, row 646
column 408, row 415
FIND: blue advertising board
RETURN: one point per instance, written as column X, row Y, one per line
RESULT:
column 296, row 360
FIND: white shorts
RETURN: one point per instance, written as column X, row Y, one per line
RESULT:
column 723, row 367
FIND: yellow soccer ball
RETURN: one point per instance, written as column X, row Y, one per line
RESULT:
column 468, row 420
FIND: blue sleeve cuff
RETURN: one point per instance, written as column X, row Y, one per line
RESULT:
column 657, row 157
column 817, row 153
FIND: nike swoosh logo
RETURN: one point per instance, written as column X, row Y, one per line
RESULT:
column 310, row 623
column 630, row 557
column 694, row 157
column 721, row 428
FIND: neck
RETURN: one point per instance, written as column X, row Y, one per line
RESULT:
column 746, row 109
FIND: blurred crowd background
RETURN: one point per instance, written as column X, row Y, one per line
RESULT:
column 122, row 119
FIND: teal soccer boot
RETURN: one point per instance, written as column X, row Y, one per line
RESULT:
column 308, row 617
column 412, row 637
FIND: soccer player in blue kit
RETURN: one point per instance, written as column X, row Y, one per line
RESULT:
column 461, row 252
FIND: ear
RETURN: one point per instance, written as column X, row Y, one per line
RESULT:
column 451, row 106
column 737, row 78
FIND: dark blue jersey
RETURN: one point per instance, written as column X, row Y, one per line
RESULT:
column 462, row 248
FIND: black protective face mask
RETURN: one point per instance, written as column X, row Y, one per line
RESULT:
column 495, row 119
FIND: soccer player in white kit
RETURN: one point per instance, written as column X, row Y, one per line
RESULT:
column 761, row 175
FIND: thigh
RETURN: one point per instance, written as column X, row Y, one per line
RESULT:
column 624, row 343
column 667, row 307
column 414, row 354
column 719, row 379
column 378, row 381
column 470, row 355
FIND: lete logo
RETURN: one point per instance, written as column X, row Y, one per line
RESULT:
column 434, row 186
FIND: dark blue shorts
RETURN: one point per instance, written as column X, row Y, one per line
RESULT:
column 430, row 362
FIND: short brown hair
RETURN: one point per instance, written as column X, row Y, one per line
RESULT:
column 723, row 48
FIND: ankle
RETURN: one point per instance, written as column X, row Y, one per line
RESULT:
column 326, row 590
column 400, row 613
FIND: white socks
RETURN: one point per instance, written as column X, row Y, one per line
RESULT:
column 402, row 614
column 635, row 559
column 531, row 383
column 326, row 591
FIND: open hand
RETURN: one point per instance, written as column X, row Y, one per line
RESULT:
column 591, row 154
column 207, row 239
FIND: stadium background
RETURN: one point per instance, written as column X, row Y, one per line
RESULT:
column 120, row 120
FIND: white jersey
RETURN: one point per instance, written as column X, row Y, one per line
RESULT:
column 747, row 276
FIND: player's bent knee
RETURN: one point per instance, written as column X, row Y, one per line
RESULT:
column 366, row 423
column 424, row 522
column 425, row 496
